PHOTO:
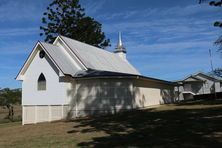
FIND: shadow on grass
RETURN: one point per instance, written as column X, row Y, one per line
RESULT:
column 150, row 128
column 200, row 102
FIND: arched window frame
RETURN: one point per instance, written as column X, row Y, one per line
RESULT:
column 41, row 84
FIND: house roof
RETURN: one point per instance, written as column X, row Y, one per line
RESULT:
column 85, row 57
column 99, row 59
column 200, row 73
column 209, row 76
column 64, row 63
column 214, row 76
column 191, row 78
column 106, row 74
column 88, row 61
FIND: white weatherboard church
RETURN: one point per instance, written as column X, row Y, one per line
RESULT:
column 69, row 79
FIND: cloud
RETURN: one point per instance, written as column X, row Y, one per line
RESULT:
column 12, row 32
column 160, row 13
column 14, row 48
column 21, row 10
column 163, row 25
column 184, row 25
column 190, row 10
column 168, row 35
column 172, row 67
column 93, row 6
column 167, row 42
column 170, row 48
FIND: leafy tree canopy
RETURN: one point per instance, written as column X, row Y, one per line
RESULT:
column 67, row 17
column 10, row 96
column 216, row 3
column 218, row 72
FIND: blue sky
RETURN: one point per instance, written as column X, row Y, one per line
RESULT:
column 164, row 39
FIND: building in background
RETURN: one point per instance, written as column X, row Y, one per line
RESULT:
column 195, row 84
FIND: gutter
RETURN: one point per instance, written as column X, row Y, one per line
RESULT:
column 138, row 77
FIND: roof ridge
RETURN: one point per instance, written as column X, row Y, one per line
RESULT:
column 214, row 77
column 103, row 50
column 88, row 44
column 48, row 44
column 97, row 58
column 199, row 72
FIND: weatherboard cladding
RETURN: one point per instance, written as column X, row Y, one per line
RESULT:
column 99, row 59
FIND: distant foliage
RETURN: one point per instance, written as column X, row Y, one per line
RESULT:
column 218, row 72
column 216, row 3
column 67, row 17
column 10, row 96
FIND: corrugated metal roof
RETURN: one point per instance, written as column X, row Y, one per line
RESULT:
column 214, row 76
column 98, row 62
column 106, row 74
column 61, row 59
column 202, row 73
column 99, row 59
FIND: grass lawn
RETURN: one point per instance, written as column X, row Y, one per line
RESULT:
column 192, row 124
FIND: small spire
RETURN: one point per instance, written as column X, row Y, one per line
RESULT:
column 120, row 47
column 120, row 44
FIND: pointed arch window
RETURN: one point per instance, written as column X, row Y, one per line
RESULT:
column 41, row 82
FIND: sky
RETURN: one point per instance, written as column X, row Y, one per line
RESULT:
column 167, row 39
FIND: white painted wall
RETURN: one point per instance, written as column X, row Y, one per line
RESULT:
column 92, row 96
column 55, row 93
column 208, row 85
column 149, row 93
column 28, row 116
column 43, row 113
column 96, row 97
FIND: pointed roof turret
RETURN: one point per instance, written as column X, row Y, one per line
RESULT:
column 120, row 47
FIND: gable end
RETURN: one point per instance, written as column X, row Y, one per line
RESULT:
column 20, row 75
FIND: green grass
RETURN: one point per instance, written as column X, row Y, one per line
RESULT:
column 188, row 124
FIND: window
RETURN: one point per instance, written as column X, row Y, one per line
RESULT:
column 41, row 82
column 207, row 85
column 42, row 54
column 187, row 87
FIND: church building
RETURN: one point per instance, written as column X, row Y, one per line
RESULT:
column 70, row 79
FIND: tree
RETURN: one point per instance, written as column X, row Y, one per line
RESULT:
column 218, row 72
column 216, row 3
column 67, row 17
column 8, row 98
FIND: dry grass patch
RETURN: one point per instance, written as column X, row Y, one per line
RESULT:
column 191, row 124
column 4, row 113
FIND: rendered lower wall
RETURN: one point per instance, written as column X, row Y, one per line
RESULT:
column 28, row 114
column 150, row 93
column 98, row 96
column 36, row 114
